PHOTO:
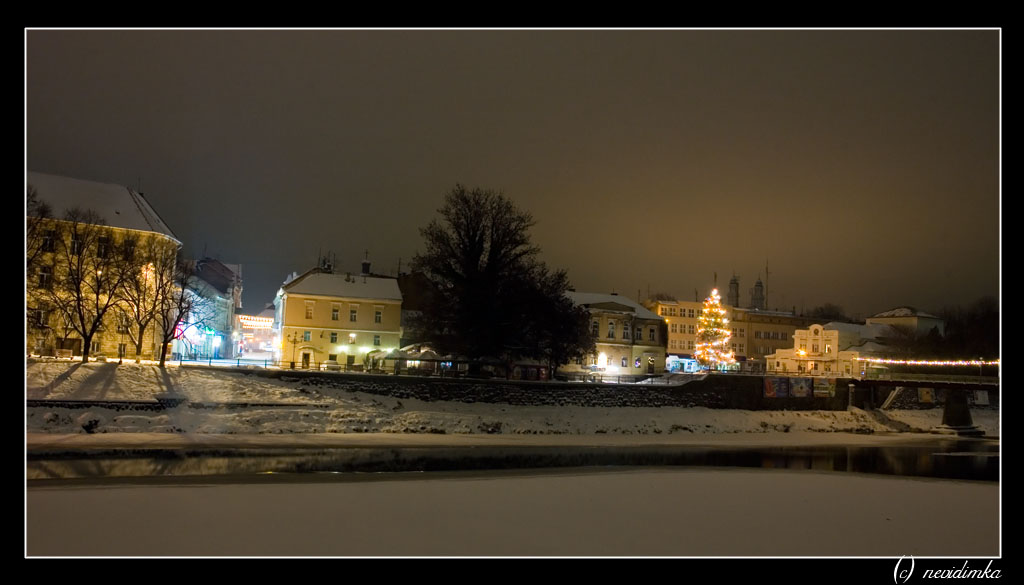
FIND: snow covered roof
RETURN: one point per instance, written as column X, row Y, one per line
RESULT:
column 219, row 275
column 869, row 331
column 904, row 312
column 342, row 285
column 586, row 299
column 118, row 205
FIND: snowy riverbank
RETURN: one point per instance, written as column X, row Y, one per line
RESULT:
column 301, row 408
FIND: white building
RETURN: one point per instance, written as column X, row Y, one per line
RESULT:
column 829, row 350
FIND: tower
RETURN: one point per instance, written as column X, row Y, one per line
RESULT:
column 733, row 299
column 757, row 296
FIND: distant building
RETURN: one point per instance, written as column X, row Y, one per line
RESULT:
column 919, row 322
column 630, row 339
column 209, row 331
column 324, row 316
column 126, row 226
column 255, row 332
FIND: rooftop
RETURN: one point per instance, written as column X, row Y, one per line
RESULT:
column 904, row 312
column 119, row 206
column 587, row 299
column 356, row 286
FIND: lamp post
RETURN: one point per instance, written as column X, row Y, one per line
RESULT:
column 294, row 340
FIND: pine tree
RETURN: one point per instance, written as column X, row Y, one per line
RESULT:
column 713, row 334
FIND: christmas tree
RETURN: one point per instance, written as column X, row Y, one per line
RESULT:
column 713, row 334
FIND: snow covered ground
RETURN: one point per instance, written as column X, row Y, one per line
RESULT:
column 311, row 409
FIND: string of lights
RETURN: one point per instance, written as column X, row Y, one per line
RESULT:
column 930, row 362
column 712, row 343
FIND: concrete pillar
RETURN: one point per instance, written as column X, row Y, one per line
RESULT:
column 956, row 416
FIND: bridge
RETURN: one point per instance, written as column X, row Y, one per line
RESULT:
column 956, row 415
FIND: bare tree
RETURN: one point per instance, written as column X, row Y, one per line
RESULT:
column 181, row 300
column 86, row 274
column 139, row 292
column 38, row 228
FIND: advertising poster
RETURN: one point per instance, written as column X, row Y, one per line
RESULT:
column 801, row 387
column 824, row 387
column 776, row 387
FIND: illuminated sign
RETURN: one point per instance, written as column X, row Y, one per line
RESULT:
column 250, row 322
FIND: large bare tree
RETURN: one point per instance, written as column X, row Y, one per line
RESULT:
column 140, row 292
column 87, row 274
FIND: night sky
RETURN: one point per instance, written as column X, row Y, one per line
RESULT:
column 862, row 166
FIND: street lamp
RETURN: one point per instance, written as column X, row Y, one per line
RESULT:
column 294, row 340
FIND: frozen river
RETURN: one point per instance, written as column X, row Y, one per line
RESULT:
column 565, row 512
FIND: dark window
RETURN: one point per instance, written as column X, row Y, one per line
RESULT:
column 76, row 244
column 334, row 337
column 129, row 248
column 102, row 246
column 352, row 315
column 45, row 277
column 378, row 316
column 334, row 313
column 47, row 244
column 306, row 336
column 650, row 335
column 376, row 339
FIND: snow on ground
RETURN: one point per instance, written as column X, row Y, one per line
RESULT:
column 318, row 409
column 569, row 512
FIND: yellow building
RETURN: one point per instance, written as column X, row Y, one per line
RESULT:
column 336, row 318
column 630, row 340
column 114, row 229
column 755, row 332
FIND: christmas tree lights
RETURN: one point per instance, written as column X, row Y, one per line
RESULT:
column 712, row 347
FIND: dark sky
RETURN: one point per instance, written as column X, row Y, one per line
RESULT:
column 862, row 166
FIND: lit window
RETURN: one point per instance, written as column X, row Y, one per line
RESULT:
column 351, row 337
column 625, row 362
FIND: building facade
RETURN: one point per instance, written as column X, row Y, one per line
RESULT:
column 630, row 339
column 755, row 333
column 322, row 316
column 829, row 350
column 93, row 260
